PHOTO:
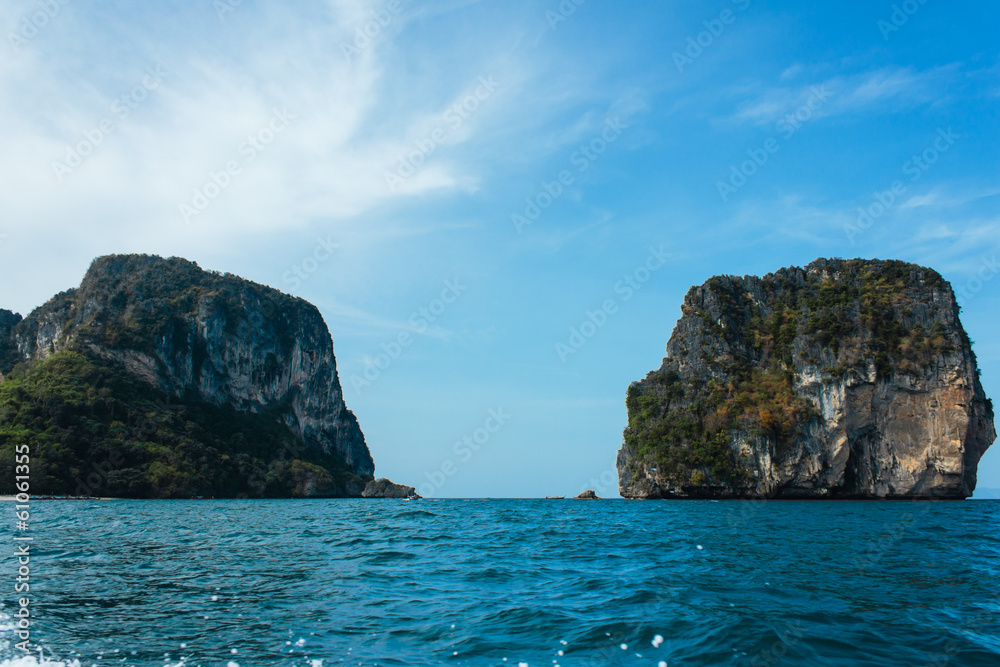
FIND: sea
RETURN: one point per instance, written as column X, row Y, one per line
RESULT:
column 505, row 583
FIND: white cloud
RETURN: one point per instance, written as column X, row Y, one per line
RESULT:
column 955, row 247
column 949, row 198
column 791, row 72
column 353, row 120
column 883, row 89
column 326, row 162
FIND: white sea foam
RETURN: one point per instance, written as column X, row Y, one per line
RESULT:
column 32, row 661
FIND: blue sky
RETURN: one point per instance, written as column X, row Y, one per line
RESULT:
column 377, row 157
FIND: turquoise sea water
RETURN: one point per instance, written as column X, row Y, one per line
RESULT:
column 511, row 582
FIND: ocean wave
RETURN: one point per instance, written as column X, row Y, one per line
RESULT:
column 470, row 583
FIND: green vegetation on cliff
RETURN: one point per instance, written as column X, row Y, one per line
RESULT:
column 94, row 429
column 683, row 427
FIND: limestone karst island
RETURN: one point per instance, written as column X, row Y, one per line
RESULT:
column 843, row 379
column 157, row 379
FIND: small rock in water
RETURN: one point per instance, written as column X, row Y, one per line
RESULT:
column 386, row 488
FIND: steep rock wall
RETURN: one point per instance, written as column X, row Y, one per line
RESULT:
column 200, row 336
column 845, row 379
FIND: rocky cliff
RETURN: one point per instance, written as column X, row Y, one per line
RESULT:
column 843, row 379
column 237, row 380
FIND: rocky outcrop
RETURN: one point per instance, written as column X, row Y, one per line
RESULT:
column 204, row 338
column 386, row 488
column 589, row 494
column 845, row 379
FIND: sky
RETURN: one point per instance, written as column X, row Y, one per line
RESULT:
column 458, row 186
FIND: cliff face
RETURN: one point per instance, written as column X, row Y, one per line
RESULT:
column 199, row 337
column 845, row 379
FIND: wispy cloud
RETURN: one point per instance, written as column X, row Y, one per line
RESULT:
column 949, row 197
column 883, row 89
column 954, row 247
column 363, row 322
column 329, row 162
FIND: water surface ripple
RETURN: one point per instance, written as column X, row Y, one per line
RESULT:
column 508, row 582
